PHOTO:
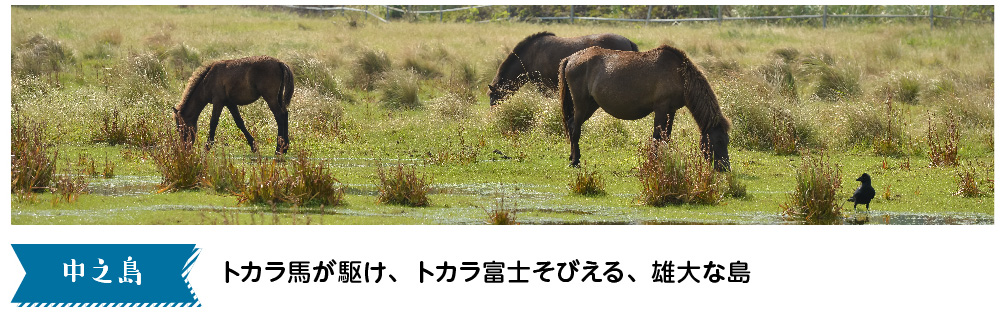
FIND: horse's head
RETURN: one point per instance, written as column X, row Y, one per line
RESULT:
column 714, row 145
column 496, row 94
column 186, row 130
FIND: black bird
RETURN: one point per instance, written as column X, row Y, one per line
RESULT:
column 865, row 193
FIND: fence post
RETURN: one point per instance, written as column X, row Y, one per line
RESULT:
column 441, row 13
column 649, row 13
column 387, row 13
column 931, row 17
column 825, row 17
column 572, row 13
column 719, row 9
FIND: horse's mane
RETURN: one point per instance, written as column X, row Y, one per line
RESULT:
column 513, row 57
column 529, row 39
column 699, row 96
column 194, row 82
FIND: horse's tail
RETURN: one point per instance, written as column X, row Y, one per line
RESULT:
column 286, row 88
column 565, row 94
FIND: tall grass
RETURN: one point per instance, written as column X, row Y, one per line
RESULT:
column 33, row 156
column 368, row 69
column 398, row 185
column 39, row 55
column 221, row 174
column 672, row 174
column 400, row 90
column 943, row 144
column 180, row 163
column 307, row 182
column 815, row 198
column 974, row 179
column 587, row 183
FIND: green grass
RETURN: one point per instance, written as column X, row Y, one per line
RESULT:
column 137, row 65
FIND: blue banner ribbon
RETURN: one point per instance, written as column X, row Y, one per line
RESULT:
column 106, row 275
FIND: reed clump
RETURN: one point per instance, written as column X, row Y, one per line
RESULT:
column 815, row 199
column 33, row 156
column 398, row 185
column 587, row 183
column 672, row 175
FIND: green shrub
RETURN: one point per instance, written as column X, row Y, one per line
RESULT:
column 517, row 114
column 815, row 199
column 783, row 133
column 114, row 129
column 675, row 174
column 319, row 113
column 907, row 89
column 400, row 91
column 311, row 72
column 111, row 131
column 451, row 106
column 183, row 59
column 369, row 68
column 148, row 67
column 834, row 84
column 397, row 185
column 735, row 188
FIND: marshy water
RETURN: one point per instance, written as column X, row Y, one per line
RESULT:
column 128, row 199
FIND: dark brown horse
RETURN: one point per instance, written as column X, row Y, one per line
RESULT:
column 233, row 83
column 631, row 85
column 536, row 59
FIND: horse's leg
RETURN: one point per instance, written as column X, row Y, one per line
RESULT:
column 282, row 124
column 662, row 124
column 576, row 127
column 214, row 120
column 240, row 125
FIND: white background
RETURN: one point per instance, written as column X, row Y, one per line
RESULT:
column 797, row 272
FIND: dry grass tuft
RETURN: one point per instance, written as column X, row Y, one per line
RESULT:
column 815, row 198
column 397, row 185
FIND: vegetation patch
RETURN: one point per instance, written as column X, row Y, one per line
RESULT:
column 33, row 156
column 587, row 183
column 943, row 143
column 180, row 164
column 398, row 185
column 815, row 199
column 672, row 175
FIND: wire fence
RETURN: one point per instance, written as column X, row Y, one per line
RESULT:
column 385, row 13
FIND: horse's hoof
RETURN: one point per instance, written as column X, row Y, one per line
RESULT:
column 574, row 164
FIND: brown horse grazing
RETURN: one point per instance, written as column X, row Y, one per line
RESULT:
column 536, row 59
column 631, row 85
column 232, row 83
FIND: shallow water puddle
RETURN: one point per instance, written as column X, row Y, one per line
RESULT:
column 124, row 185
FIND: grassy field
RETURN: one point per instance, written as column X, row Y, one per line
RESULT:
column 876, row 98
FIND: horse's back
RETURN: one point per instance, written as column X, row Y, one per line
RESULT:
column 242, row 81
column 626, row 84
column 550, row 50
